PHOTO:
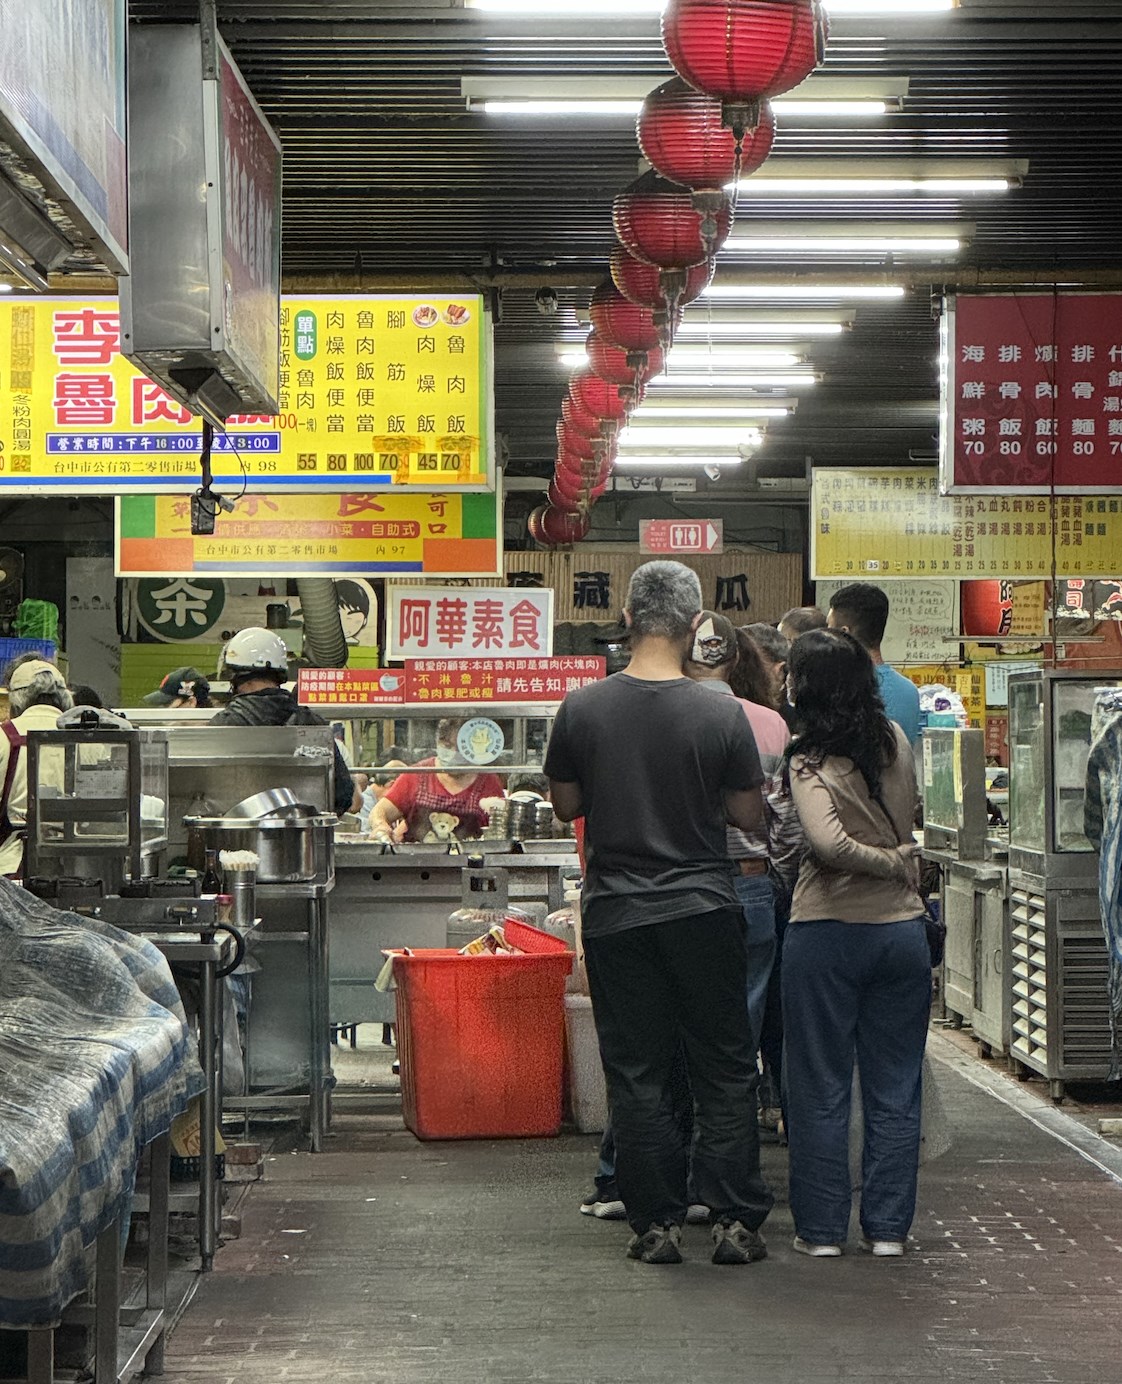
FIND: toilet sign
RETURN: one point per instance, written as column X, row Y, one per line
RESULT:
column 671, row 537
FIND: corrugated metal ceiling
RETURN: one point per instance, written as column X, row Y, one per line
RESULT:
column 387, row 172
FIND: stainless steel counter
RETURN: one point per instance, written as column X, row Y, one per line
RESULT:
column 403, row 900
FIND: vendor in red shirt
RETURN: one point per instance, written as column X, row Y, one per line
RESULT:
column 440, row 804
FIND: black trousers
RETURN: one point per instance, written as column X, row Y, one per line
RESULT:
column 657, row 990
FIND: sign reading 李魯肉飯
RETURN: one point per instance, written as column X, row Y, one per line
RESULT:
column 375, row 392
column 1032, row 393
column 499, row 679
column 869, row 523
column 352, row 534
column 469, row 622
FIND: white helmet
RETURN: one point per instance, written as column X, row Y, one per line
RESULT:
column 255, row 650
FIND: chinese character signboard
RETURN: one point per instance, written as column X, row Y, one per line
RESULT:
column 375, row 392
column 499, row 679
column 1032, row 393
column 676, row 536
column 870, row 523
column 476, row 622
column 350, row 686
column 379, row 533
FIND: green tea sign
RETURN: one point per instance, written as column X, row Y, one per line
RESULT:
column 180, row 607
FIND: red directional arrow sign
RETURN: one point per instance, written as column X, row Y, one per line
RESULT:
column 680, row 536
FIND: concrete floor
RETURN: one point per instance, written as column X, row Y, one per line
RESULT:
column 387, row 1260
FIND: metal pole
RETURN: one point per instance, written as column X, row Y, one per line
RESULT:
column 156, row 1288
column 318, row 1020
column 107, row 1308
column 207, row 1114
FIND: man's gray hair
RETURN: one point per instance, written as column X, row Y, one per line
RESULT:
column 663, row 599
column 43, row 690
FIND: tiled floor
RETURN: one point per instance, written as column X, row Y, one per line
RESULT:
column 387, row 1261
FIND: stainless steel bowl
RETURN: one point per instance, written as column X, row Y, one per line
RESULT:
column 285, row 846
column 270, row 803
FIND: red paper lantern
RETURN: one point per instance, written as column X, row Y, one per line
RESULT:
column 744, row 50
column 578, row 419
column 566, row 493
column 563, row 526
column 586, row 469
column 534, row 525
column 626, row 368
column 578, row 444
column 623, row 323
column 684, row 135
column 602, row 398
column 560, row 500
column 663, row 290
column 668, row 225
column 987, row 607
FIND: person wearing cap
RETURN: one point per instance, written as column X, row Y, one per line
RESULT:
column 256, row 663
column 182, row 688
column 37, row 695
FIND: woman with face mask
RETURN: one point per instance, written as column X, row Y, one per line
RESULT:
column 428, row 802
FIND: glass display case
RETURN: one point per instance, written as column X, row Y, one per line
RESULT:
column 97, row 803
column 1049, row 742
column 954, row 792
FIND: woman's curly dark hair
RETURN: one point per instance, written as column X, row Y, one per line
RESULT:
column 837, row 696
column 749, row 678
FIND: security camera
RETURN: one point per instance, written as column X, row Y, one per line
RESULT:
column 713, row 472
column 545, row 300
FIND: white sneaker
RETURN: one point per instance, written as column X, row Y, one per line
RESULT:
column 801, row 1246
column 883, row 1249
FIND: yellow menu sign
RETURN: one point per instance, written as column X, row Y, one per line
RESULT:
column 375, row 391
column 868, row 522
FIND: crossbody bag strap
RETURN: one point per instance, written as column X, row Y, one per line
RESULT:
column 16, row 743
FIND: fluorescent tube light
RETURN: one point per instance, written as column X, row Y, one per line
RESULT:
column 695, row 380
column 698, row 356
column 623, row 108
column 903, row 8
column 635, row 439
column 875, row 187
column 726, row 459
column 841, row 245
column 763, row 290
column 656, row 411
column 698, row 326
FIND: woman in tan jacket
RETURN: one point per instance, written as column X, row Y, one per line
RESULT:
column 856, row 965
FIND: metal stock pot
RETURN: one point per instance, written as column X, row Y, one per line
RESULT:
column 285, row 846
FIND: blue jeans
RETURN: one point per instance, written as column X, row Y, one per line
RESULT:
column 854, row 990
column 757, row 897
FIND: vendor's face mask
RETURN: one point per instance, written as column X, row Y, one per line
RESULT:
column 446, row 756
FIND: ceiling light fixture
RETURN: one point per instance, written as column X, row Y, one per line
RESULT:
column 698, row 356
column 628, row 109
column 695, row 380
column 700, row 327
column 656, row 411
column 635, row 439
column 874, row 187
column 726, row 459
column 900, row 8
column 734, row 291
column 842, row 245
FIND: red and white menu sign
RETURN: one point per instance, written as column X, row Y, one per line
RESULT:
column 1032, row 393
column 499, row 679
column 470, row 622
column 350, row 686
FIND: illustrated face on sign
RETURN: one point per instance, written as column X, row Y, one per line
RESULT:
column 354, row 609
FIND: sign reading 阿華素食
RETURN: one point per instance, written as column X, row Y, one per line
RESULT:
column 469, row 622
column 375, row 392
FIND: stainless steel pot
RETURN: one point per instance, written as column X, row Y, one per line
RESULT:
column 285, row 846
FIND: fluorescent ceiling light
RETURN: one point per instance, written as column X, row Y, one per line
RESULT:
column 698, row 326
column 841, row 245
column 725, row 289
column 657, row 411
column 840, row 176
column 698, row 356
column 836, row 187
column 725, row 459
column 694, row 380
column 902, row 8
column 5, row 288
column 611, row 108
column 635, row 439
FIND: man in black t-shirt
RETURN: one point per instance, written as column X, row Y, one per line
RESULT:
column 658, row 767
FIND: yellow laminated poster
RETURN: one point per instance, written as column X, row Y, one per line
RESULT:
column 186, row 1140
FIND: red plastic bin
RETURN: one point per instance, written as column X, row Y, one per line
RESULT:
column 481, row 1039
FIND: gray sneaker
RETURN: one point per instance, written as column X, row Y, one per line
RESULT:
column 658, row 1246
column 736, row 1244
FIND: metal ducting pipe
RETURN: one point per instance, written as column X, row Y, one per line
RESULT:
column 325, row 644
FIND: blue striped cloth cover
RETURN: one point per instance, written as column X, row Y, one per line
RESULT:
column 95, row 1061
